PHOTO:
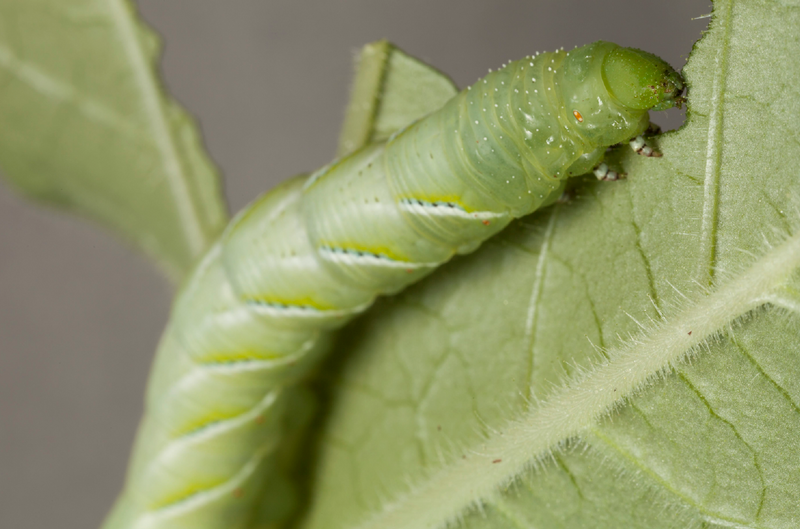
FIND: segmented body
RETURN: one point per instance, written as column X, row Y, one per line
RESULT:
column 310, row 255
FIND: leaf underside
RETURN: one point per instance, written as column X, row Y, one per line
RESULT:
column 86, row 126
column 462, row 370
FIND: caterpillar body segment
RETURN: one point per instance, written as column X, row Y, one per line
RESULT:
column 259, row 309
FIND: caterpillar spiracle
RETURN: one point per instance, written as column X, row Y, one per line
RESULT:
column 307, row 257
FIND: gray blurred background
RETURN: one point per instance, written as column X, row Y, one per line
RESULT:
column 80, row 314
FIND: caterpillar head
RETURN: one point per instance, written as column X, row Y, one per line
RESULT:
column 642, row 81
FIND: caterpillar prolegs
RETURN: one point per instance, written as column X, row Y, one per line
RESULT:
column 307, row 257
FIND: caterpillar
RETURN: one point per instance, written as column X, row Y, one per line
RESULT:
column 259, row 309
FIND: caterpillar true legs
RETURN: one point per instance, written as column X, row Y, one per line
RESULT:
column 639, row 146
column 305, row 258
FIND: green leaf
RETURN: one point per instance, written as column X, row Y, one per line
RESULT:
column 629, row 359
column 391, row 89
column 86, row 126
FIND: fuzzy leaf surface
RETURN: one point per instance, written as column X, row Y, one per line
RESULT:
column 544, row 382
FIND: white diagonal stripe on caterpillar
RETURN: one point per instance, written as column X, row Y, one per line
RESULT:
column 307, row 257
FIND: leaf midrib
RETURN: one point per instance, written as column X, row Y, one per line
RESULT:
column 507, row 453
column 176, row 177
column 410, row 511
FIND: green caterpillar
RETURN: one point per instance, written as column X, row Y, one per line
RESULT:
column 307, row 257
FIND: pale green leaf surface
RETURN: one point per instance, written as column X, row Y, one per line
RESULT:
column 390, row 90
column 86, row 126
column 430, row 412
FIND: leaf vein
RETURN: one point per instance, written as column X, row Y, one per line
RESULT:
column 444, row 495
column 729, row 424
column 57, row 89
column 175, row 172
column 780, row 389
column 597, row 434
column 536, row 293
column 714, row 154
